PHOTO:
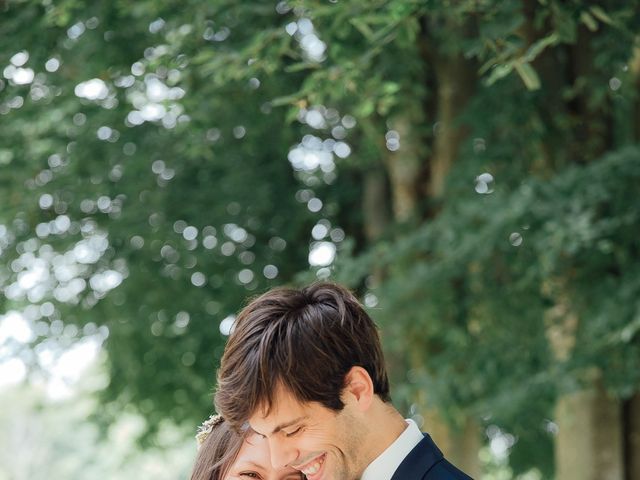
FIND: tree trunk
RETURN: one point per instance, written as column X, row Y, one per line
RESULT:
column 634, row 64
column 404, row 168
column 374, row 204
column 460, row 446
column 589, row 442
column 453, row 83
column 631, row 414
column 456, row 78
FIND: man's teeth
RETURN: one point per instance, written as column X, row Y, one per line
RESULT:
column 313, row 469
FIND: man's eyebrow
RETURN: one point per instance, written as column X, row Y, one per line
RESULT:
column 288, row 424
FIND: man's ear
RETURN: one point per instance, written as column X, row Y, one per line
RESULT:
column 358, row 387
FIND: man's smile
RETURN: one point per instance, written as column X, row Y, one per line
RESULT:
column 313, row 467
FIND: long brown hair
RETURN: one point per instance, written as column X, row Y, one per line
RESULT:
column 217, row 453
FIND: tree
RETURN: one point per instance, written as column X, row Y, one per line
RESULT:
column 42, row 438
column 472, row 163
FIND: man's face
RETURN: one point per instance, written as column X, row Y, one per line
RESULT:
column 323, row 444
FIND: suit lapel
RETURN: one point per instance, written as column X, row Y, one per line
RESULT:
column 419, row 461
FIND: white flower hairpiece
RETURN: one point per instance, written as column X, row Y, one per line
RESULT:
column 207, row 427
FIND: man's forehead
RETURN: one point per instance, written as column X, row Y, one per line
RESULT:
column 283, row 403
column 285, row 410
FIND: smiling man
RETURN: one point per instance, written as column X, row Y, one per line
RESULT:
column 304, row 368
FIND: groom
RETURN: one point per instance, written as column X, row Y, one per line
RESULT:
column 304, row 369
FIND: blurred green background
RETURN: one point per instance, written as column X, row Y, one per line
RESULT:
column 470, row 168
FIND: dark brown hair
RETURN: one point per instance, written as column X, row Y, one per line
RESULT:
column 305, row 340
column 217, row 453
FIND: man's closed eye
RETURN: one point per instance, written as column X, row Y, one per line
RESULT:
column 294, row 432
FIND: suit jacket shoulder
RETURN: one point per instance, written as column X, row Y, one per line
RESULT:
column 426, row 462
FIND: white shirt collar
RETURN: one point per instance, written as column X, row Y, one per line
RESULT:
column 383, row 467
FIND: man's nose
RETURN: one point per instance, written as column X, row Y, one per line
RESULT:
column 282, row 453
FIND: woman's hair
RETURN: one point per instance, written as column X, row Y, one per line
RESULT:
column 218, row 450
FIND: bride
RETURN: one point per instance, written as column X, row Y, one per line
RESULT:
column 224, row 454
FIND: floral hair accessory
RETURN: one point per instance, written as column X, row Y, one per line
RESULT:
column 207, row 427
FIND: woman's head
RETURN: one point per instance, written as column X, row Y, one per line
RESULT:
column 218, row 446
column 227, row 455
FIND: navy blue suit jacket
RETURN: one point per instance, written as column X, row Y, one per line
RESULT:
column 426, row 462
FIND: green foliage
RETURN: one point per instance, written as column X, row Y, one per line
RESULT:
column 39, row 435
column 140, row 186
column 172, row 163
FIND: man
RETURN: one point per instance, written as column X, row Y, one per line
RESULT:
column 304, row 368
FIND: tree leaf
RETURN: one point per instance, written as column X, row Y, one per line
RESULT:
column 589, row 21
column 601, row 15
column 528, row 75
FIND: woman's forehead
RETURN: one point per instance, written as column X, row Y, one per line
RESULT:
column 255, row 451
column 254, row 456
